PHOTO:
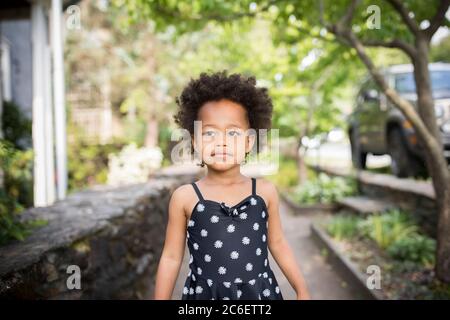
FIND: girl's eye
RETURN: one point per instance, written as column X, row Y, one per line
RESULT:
column 234, row 133
column 208, row 133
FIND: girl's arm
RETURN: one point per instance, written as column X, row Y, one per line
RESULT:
column 279, row 247
column 174, row 246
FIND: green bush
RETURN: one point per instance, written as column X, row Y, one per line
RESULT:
column 324, row 189
column 287, row 175
column 416, row 248
column 16, row 126
column 343, row 227
column 88, row 163
column 389, row 227
column 16, row 193
column 16, row 163
column 394, row 231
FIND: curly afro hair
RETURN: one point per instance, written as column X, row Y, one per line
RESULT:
column 218, row 86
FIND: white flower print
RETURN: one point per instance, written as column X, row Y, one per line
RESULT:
column 256, row 226
column 225, row 298
column 258, row 251
column 253, row 201
column 264, row 238
column 245, row 240
column 200, row 207
column 198, row 289
column 231, row 228
column 259, row 275
column 238, row 280
column 191, row 259
column 185, row 290
column 259, row 297
column 234, row 255
column 249, row 267
column 243, row 207
column 265, row 275
column 266, row 292
column 263, row 214
column 218, row 244
column 188, row 235
column 222, row 270
column 270, row 280
column 277, row 289
column 191, row 223
column 227, row 284
column 252, row 282
column 214, row 219
column 239, row 293
column 199, row 270
column 204, row 233
column 190, row 271
column 193, row 277
column 243, row 216
column 210, row 282
column 191, row 290
column 207, row 258
column 195, row 245
column 265, row 262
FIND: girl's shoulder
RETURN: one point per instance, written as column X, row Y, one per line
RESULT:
column 184, row 196
column 267, row 190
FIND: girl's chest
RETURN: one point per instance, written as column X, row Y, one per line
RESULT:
column 249, row 214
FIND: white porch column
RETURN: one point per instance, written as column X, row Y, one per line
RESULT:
column 44, row 182
column 58, row 97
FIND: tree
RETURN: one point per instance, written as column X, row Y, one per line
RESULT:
column 416, row 44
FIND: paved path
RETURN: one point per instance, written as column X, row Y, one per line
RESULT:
column 322, row 281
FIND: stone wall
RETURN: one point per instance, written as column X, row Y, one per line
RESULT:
column 114, row 235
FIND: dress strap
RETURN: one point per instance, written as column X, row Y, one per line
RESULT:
column 197, row 191
column 253, row 186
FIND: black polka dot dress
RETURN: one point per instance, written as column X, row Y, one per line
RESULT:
column 228, row 251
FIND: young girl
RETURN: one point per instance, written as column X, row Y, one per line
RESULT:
column 230, row 220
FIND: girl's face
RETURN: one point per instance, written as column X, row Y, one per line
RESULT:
column 222, row 138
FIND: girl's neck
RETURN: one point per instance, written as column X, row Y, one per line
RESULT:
column 231, row 176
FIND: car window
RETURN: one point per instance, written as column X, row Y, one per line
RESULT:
column 440, row 80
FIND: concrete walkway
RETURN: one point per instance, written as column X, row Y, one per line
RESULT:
column 322, row 281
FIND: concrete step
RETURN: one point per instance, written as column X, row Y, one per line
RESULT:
column 365, row 205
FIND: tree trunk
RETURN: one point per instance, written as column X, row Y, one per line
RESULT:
column 301, row 165
column 151, row 137
column 436, row 163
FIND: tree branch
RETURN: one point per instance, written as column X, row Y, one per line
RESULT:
column 410, row 22
column 348, row 16
column 438, row 19
column 395, row 43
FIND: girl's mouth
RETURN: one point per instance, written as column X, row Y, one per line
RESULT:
column 220, row 154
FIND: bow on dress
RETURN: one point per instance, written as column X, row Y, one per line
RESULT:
column 235, row 211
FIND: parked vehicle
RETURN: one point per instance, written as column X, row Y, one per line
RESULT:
column 376, row 126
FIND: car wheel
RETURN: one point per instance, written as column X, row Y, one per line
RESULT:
column 403, row 162
column 358, row 157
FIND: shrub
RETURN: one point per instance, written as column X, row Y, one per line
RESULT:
column 133, row 164
column 16, row 192
column 389, row 227
column 343, row 227
column 287, row 175
column 88, row 163
column 415, row 248
column 324, row 189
